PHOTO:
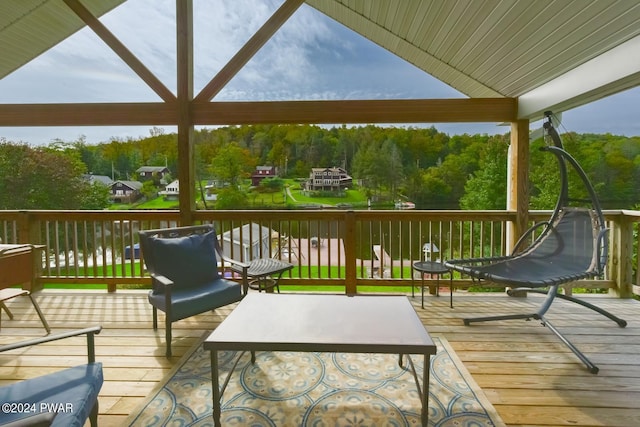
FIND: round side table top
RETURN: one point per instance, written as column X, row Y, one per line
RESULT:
column 433, row 267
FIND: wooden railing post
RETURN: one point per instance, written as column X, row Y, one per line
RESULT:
column 350, row 253
column 29, row 233
column 621, row 256
column 22, row 226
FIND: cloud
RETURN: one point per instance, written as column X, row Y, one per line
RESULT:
column 310, row 58
column 617, row 114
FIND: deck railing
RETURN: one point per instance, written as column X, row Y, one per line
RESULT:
column 338, row 248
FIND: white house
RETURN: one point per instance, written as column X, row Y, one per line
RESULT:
column 171, row 191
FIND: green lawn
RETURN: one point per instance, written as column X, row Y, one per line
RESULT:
column 351, row 197
column 262, row 199
column 304, row 272
column 159, row 203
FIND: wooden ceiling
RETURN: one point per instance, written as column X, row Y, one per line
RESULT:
column 550, row 54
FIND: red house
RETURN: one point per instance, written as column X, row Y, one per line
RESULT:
column 261, row 173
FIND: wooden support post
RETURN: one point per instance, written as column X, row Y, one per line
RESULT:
column 186, row 160
column 518, row 185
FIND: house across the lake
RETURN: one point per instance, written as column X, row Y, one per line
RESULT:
column 126, row 191
column 328, row 179
column 171, row 191
column 98, row 179
column 159, row 173
column 261, row 173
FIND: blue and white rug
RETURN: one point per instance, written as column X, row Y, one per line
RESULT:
column 318, row 389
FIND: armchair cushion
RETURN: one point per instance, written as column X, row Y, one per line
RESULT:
column 70, row 393
column 188, row 301
column 187, row 260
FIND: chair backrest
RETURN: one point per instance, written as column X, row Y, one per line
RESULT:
column 185, row 255
column 580, row 233
column 571, row 242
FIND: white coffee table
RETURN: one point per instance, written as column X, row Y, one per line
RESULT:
column 323, row 323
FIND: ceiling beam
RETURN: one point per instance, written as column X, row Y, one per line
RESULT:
column 120, row 49
column 112, row 114
column 614, row 71
column 365, row 111
column 471, row 110
column 251, row 47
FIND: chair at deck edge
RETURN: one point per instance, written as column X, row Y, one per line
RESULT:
column 571, row 245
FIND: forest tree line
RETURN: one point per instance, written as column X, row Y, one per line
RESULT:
column 428, row 167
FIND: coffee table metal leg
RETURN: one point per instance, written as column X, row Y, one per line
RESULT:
column 413, row 283
column 215, row 389
column 451, row 289
column 425, row 389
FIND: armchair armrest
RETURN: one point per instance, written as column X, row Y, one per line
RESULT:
column 238, row 267
column 167, row 286
column 241, row 265
column 89, row 332
column 162, row 280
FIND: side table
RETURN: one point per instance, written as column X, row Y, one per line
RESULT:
column 434, row 268
column 265, row 273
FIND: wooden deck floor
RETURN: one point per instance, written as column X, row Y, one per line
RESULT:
column 530, row 377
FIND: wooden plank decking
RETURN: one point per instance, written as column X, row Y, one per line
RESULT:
column 530, row 377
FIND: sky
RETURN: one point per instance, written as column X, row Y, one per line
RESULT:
column 310, row 58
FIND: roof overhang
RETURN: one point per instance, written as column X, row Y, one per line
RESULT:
column 552, row 54
column 29, row 28
column 614, row 71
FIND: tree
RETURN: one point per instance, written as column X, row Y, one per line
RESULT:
column 232, row 198
column 366, row 166
column 436, row 191
column 149, row 190
column 487, row 188
column 124, row 158
column 272, row 185
column 96, row 197
column 232, row 164
column 45, row 178
column 390, row 166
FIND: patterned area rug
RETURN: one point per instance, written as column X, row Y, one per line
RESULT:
column 318, row 389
